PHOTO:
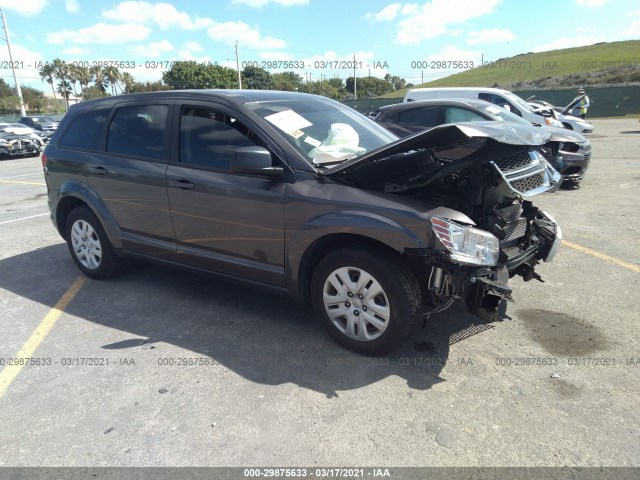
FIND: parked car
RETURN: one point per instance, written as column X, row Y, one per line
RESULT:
column 13, row 145
column 502, row 98
column 534, row 113
column 568, row 121
column 43, row 124
column 304, row 196
column 568, row 151
column 20, row 129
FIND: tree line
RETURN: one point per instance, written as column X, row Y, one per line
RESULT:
column 87, row 83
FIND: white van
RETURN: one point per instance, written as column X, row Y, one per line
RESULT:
column 503, row 98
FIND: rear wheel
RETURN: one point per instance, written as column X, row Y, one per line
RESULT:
column 366, row 300
column 89, row 246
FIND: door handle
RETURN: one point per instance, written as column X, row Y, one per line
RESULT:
column 184, row 184
column 100, row 170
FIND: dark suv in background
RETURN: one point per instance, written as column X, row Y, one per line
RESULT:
column 306, row 197
column 46, row 125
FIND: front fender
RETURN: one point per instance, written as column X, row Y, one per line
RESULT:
column 350, row 222
column 74, row 189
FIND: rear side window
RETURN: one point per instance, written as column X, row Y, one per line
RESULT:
column 138, row 131
column 457, row 114
column 84, row 130
column 423, row 116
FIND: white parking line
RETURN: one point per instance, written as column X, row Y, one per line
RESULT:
column 23, row 175
column 23, row 218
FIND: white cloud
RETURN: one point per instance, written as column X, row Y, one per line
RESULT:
column 591, row 3
column 71, row 6
column 152, row 50
column 101, row 33
column 433, row 18
column 192, row 46
column 387, row 13
column 262, row 3
column 164, row 15
column 74, row 51
column 275, row 56
column 28, row 75
column 410, row 9
column 569, row 42
column 245, row 35
column 26, row 8
column 493, row 35
column 633, row 32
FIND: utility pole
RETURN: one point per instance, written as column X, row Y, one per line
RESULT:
column 355, row 87
column 238, row 67
column 15, row 76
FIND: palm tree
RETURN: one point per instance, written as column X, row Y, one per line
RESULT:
column 72, row 75
column 46, row 74
column 128, row 81
column 64, row 89
column 83, row 75
column 61, row 72
column 99, row 79
column 112, row 75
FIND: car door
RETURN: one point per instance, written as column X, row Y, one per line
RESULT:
column 128, row 173
column 225, row 222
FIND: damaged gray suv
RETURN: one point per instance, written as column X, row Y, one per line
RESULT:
column 306, row 197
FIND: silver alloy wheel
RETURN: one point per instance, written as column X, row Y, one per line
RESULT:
column 86, row 244
column 356, row 303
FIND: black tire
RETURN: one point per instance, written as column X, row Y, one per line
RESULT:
column 400, row 291
column 109, row 263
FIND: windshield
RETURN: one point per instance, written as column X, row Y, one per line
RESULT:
column 518, row 101
column 323, row 131
column 500, row 114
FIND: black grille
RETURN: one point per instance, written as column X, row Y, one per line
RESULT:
column 528, row 183
column 515, row 230
column 587, row 157
column 514, row 161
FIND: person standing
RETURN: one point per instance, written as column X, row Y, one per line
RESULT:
column 580, row 110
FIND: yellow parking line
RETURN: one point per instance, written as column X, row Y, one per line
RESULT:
column 602, row 256
column 10, row 372
column 23, row 183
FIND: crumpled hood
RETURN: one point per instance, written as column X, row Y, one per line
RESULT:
column 450, row 135
column 559, row 134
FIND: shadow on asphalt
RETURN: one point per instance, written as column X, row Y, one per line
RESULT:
column 265, row 338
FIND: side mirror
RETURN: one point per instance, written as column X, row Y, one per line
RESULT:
column 254, row 160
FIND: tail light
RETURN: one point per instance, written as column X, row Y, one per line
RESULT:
column 44, row 160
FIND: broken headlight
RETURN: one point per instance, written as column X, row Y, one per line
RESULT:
column 467, row 245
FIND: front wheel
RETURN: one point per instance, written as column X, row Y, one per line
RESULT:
column 89, row 246
column 366, row 300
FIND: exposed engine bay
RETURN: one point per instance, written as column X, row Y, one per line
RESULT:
column 477, row 188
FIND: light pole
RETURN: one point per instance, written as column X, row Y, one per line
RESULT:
column 13, row 67
column 238, row 67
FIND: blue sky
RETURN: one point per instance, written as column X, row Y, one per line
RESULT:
column 385, row 36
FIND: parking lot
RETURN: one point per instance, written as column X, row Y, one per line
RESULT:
column 159, row 367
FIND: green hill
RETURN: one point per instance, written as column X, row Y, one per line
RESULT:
column 599, row 64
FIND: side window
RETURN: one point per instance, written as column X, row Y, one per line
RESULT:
column 138, row 131
column 84, row 130
column 457, row 114
column 209, row 137
column 423, row 116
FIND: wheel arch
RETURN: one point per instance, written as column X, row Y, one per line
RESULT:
column 75, row 194
column 337, row 230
